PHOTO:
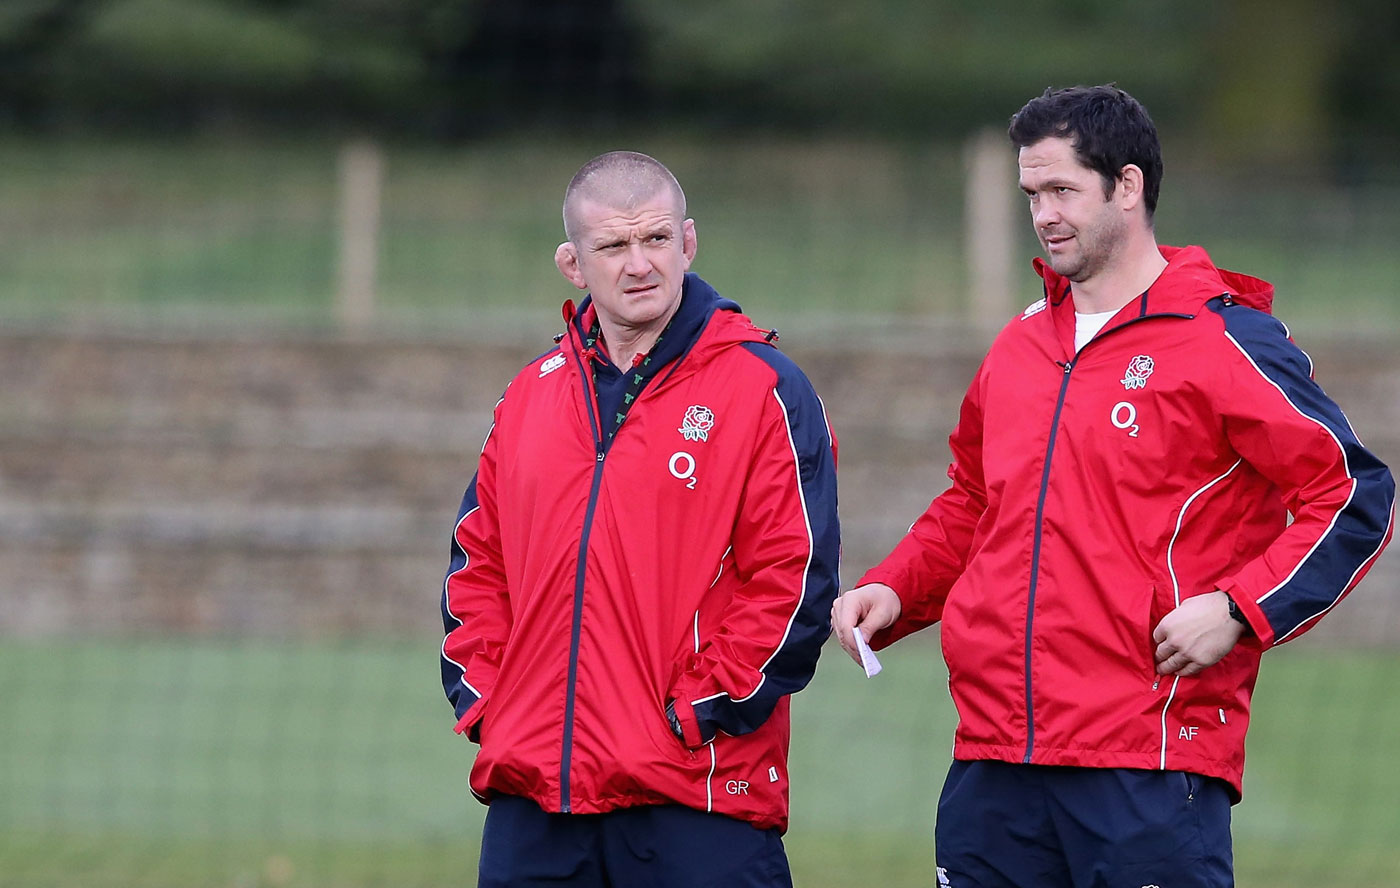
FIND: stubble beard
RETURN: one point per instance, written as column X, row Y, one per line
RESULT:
column 1095, row 248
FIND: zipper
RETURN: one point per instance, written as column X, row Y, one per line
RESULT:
column 1067, row 366
column 595, row 423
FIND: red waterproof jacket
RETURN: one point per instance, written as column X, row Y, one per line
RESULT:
column 692, row 559
column 1092, row 493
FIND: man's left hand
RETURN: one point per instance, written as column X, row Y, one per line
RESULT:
column 1197, row 634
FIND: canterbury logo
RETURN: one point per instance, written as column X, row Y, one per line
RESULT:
column 551, row 365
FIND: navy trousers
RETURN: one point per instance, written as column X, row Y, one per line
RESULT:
column 1032, row 826
column 657, row 846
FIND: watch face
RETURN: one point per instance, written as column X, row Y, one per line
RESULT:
column 1235, row 611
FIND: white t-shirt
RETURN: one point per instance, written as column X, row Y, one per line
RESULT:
column 1087, row 326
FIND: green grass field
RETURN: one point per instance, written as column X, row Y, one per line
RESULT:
column 234, row 231
column 175, row 764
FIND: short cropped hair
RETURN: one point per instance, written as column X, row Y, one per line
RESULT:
column 1108, row 128
column 620, row 179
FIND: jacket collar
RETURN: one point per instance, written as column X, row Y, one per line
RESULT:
column 1189, row 281
column 704, row 322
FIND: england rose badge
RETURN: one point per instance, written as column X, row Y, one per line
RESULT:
column 1139, row 368
column 697, row 423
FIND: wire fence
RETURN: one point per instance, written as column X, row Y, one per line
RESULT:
column 215, row 233
column 223, row 523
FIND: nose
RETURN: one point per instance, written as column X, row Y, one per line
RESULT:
column 1044, row 213
column 637, row 264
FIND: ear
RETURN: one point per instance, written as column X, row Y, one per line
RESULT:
column 566, row 260
column 688, row 242
column 1129, row 187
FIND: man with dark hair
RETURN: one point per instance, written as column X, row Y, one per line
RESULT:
column 1108, row 128
column 642, row 570
column 1114, row 553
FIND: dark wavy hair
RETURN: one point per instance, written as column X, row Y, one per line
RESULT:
column 1108, row 128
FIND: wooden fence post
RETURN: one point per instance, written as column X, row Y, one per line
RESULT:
column 361, row 177
column 990, row 229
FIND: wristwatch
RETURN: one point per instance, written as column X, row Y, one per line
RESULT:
column 1235, row 613
column 674, row 721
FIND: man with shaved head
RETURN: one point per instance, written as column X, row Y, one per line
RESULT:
column 620, row 195
column 642, row 569
column 621, row 179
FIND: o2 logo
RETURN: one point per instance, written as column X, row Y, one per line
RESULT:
column 1124, row 416
column 682, row 466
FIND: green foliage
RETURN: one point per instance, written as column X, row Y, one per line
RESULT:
column 201, row 44
column 925, row 68
column 1307, row 78
column 193, row 59
column 1364, row 79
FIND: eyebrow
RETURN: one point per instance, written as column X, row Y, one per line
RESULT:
column 1050, row 183
column 605, row 239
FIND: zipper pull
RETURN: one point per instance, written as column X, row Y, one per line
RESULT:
column 1065, row 365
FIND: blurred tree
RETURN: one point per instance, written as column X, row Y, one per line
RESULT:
column 30, row 33
column 512, row 61
column 922, row 68
column 1363, row 86
column 1259, row 78
column 172, row 64
column 1270, row 61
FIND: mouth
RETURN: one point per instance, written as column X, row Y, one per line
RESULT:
column 639, row 290
column 1057, row 241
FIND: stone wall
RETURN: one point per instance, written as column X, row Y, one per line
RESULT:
column 282, row 485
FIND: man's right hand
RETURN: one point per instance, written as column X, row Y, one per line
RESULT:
column 871, row 607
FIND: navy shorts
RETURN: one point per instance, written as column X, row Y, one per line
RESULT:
column 1006, row 825
column 656, row 846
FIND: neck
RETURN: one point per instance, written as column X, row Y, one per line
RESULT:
column 1115, row 287
column 624, row 344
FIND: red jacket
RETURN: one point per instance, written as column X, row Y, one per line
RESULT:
column 1092, row 493
column 693, row 558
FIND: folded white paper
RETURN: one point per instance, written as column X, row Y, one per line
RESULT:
column 867, row 656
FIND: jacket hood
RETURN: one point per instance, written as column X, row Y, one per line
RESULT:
column 1189, row 281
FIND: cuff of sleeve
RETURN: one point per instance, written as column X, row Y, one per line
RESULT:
column 876, row 575
column 690, row 726
column 470, row 722
column 1251, row 611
